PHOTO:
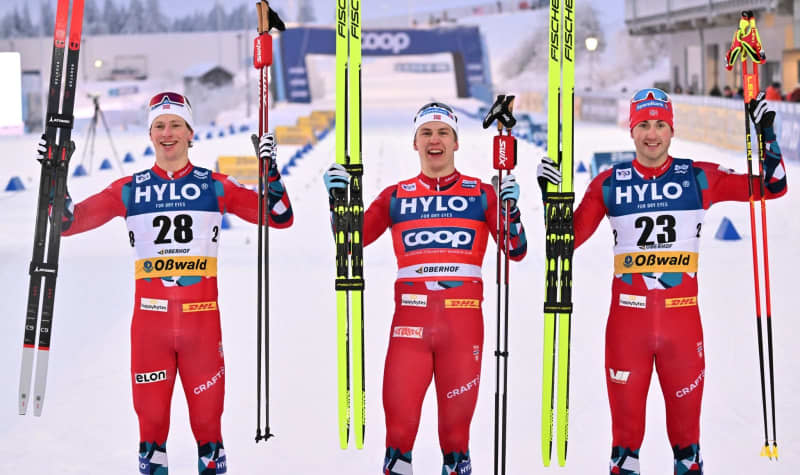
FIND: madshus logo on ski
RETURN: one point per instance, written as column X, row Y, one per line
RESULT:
column 438, row 238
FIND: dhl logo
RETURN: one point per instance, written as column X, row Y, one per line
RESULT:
column 199, row 307
column 680, row 302
column 462, row 303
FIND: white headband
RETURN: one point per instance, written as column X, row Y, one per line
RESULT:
column 167, row 106
column 435, row 112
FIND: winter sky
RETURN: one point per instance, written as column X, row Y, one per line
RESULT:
column 612, row 11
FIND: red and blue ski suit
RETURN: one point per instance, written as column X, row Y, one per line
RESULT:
column 174, row 223
column 656, row 216
column 439, row 231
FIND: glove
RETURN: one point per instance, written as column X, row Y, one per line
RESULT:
column 67, row 215
column 509, row 191
column 268, row 150
column 336, row 178
column 547, row 172
column 41, row 151
column 761, row 112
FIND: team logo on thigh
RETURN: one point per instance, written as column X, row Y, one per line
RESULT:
column 407, row 332
column 619, row 376
column 150, row 377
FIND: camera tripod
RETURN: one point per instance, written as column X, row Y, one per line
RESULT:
column 91, row 134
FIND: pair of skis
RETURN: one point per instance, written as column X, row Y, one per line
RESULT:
column 348, row 224
column 747, row 44
column 52, row 192
column 262, row 60
column 559, row 234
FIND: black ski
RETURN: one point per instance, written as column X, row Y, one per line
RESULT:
column 52, row 188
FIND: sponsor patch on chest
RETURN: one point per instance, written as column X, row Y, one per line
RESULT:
column 633, row 301
column 154, row 305
column 462, row 303
column 680, row 302
column 199, row 307
column 413, row 300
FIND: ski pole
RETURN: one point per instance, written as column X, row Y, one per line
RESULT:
column 504, row 158
column 741, row 46
column 262, row 59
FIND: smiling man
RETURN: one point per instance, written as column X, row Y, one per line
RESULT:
column 656, row 205
column 173, row 212
column 440, row 221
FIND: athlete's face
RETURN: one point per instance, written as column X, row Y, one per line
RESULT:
column 652, row 139
column 170, row 136
column 436, row 144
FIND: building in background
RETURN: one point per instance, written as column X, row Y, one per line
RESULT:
column 699, row 34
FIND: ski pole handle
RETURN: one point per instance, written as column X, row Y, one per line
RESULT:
column 505, row 152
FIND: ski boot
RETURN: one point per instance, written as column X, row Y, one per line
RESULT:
column 211, row 459
column 397, row 463
column 152, row 458
column 624, row 461
column 457, row 463
column 688, row 460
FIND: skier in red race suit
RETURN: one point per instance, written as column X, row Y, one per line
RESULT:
column 173, row 212
column 656, row 206
column 440, row 221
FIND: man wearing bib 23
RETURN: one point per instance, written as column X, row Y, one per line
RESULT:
column 656, row 206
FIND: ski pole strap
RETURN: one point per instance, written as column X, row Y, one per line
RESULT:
column 558, row 307
column 349, row 284
column 62, row 121
column 42, row 269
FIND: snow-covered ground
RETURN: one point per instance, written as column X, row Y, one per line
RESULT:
column 89, row 426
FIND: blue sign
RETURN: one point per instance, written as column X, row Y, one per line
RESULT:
column 464, row 42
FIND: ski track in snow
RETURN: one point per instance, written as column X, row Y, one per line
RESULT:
column 89, row 426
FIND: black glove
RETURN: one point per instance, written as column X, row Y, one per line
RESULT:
column 547, row 172
column 762, row 113
column 41, row 151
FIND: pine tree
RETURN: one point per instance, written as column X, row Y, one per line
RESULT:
column 93, row 22
column 113, row 16
column 157, row 22
column 47, row 18
column 135, row 21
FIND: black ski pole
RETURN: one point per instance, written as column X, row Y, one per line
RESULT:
column 504, row 154
column 262, row 59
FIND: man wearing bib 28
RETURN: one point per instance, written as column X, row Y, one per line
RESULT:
column 440, row 221
column 174, row 214
column 656, row 206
